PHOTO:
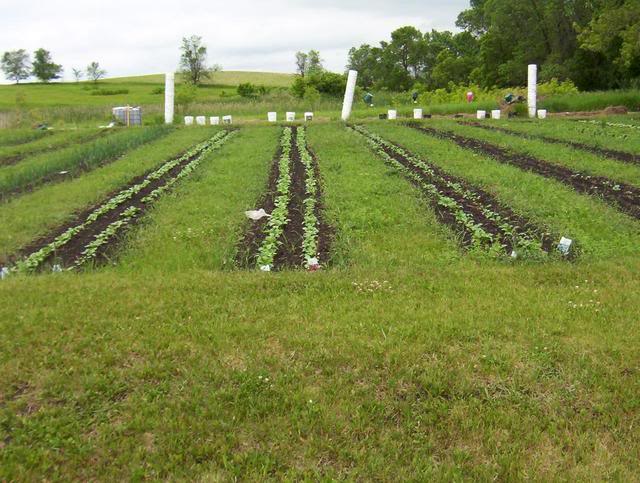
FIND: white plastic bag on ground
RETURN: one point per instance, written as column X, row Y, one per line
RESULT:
column 256, row 215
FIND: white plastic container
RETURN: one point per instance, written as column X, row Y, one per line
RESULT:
column 495, row 114
column 201, row 121
column 227, row 120
column 542, row 114
column 392, row 114
column 272, row 116
column 188, row 120
column 291, row 116
column 481, row 114
column 214, row 120
column 308, row 116
column 417, row 113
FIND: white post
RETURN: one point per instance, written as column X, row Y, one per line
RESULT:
column 532, row 95
column 348, row 94
column 169, row 92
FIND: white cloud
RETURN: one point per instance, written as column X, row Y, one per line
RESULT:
column 129, row 38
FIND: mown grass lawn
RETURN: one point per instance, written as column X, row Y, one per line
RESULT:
column 407, row 359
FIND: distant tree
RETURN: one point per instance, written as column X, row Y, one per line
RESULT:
column 308, row 63
column 77, row 74
column 301, row 63
column 16, row 65
column 44, row 68
column 193, row 60
column 94, row 72
column 314, row 63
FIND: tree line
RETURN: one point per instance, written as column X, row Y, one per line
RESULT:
column 594, row 43
column 17, row 66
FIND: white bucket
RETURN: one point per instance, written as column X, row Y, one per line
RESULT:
column 392, row 114
column 495, row 114
column 214, row 120
column 227, row 120
column 308, row 116
column 272, row 116
column 417, row 113
column 201, row 121
column 291, row 116
column 542, row 114
column 188, row 120
column 481, row 114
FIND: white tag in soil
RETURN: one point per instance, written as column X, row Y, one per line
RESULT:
column 565, row 245
column 256, row 215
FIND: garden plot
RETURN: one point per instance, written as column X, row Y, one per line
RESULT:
column 22, row 136
column 72, row 162
column 607, row 153
column 293, row 234
column 90, row 236
column 484, row 222
column 10, row 155
column 623, row 196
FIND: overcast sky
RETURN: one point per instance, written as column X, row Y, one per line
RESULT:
column 142, row 36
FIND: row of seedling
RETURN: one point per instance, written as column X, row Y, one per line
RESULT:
column 82, row 241
column 483, row 221
column 293, row 235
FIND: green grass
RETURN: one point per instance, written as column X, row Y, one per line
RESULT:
column 12, row 137
column 592, row 101
column 459, row 368
column 34, row 171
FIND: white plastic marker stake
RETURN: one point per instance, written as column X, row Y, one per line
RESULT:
column 272, row 116
column 481, row 114
column 392, row 114
column 214, row 120
column 256, row 215
column 542, row 114
column 227, row 119
column 347, row 104
column 169, row 92
column 291, row 116
column 201, row 121
column 308, row 116
column 532, row 94
column 417, row 113
column 495, row 114
column 188, row 120
column 565, row 245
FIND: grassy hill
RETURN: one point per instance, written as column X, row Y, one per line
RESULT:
column 139, row 90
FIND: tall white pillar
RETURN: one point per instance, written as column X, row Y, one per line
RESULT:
column 532, row 95
column 169, row 94
column 348, row 94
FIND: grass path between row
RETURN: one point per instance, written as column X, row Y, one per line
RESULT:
column 198, row 224
column 600, row 230
column 33, row 214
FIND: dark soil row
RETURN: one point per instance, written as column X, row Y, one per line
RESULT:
column 607, row 153
column 289, row 255
column 72, row 250
column 621, row 195
column 11, row 160
column 471, row 206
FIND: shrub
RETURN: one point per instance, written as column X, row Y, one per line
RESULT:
column 109, row 92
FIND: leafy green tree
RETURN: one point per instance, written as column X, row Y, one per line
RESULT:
column 44, row 68
column 16, row 65
column 193, row 60
column 311, row 97
column 77, row 74
column 95, row 72
column 301, row 63
column 314, row 63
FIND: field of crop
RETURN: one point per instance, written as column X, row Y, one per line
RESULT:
column 404, row 311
